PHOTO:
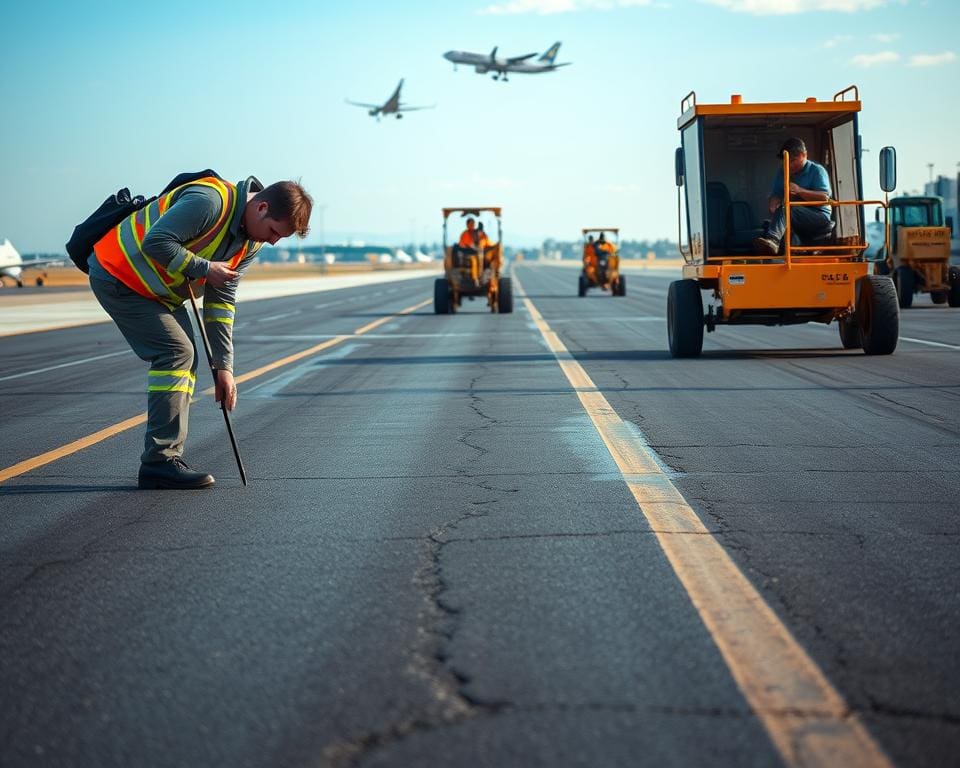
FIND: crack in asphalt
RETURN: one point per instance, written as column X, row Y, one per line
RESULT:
column 437, row 623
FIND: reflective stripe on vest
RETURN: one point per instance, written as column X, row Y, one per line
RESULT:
column 119, row 251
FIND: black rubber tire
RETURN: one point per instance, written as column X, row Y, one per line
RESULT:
column 505, row 296
column 40, row 281
column 903, row 281
column 684, row 318
column 621, row 286
column 939, row 297
column 878, row 315
column 582, row 286
column 953, row 298
column 849, row 333
column 441, row 296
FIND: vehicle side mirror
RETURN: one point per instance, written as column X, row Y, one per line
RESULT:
column 888, row 169
column 678, row 166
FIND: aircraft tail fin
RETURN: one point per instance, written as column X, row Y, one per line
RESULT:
column 550, row 54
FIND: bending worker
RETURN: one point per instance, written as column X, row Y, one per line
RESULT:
column 207, row 230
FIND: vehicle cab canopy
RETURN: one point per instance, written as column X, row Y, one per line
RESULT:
column 916, row 212
column 730, row 154
column 487, row 215
column 609, row 233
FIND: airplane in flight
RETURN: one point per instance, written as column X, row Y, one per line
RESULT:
column 12, row 264
column 484, row 63
column 391, row 106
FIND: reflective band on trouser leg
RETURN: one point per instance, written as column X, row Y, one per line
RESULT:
column 168, row 408
column 218, row 313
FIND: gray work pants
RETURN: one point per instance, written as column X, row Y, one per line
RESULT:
column 163, row 338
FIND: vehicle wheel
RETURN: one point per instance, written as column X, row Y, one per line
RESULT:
column 582, row 286
column 903, row 280
column 39, row 281
column 621, row 286
column 849, row 333
column 878, row 314
column 882, row 268
column 441, row 296
column 684, row 318
column 505, row 297
column 939, row 297
column 953, row 298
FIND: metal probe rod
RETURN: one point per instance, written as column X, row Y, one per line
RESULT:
column 223, row 402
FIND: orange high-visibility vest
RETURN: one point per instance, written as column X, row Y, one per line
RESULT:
column 119, row 251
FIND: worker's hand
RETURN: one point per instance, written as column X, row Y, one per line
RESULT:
column 772, row 205
column 225, row 389
column 795, row 189
column 220, row 273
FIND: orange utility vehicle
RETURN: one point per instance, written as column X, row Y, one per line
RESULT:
column 725, row 168
column 601, row 262
column 472, row 264
column 919, row 253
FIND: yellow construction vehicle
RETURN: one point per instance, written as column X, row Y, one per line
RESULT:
column 601, row 261
column 919, row 256
column 724, row 173
column 472, row 264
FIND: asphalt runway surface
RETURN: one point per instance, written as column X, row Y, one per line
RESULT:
column 488, row 540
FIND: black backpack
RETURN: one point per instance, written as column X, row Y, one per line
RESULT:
column 111, row 212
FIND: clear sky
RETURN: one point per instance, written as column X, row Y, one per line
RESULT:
column 100, row 95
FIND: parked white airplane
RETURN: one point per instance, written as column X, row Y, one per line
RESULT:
column 421, row 256
column 12, row 264
column 402, row 256
column 490, row 63
column 391, row 106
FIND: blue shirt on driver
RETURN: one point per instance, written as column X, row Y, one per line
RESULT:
column 812, row 176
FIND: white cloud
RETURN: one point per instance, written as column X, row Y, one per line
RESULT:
column 932, row 59
column 833, row 42
column 867, row 60
column 883, row 37
column 546, row 7
column 790, row 7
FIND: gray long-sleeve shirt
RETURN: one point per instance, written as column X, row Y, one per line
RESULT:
column 193, row 211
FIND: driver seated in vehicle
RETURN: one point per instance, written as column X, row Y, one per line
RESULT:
column 471, row 244
column 590, row 258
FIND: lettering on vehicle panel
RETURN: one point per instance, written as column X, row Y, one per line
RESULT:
column 835, row 278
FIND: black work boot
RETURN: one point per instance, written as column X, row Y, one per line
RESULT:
column 172, row 474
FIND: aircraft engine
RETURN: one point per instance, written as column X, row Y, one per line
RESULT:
column 482, row 70
column 399, row 116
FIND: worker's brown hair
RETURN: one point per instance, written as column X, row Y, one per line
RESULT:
column 288, row 201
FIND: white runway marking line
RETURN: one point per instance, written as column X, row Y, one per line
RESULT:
column 805, row 716
column 65, row 365
column 910, row 339
column 929, row 343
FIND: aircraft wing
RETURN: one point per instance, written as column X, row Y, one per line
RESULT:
column 361, row 104
column 413, row 109
column 28, row 264
column 518, row 59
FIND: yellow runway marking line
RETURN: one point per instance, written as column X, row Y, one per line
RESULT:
column 85, row 442
column 66, row 450
column 805, row 716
